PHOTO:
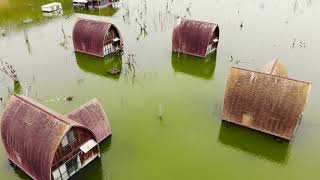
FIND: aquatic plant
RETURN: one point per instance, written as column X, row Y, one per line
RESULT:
column 10, row 71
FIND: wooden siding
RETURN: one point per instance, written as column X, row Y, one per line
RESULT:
column 88, row 155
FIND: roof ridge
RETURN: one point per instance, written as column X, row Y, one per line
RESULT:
column 42, row 109
column 274, row 66
column 91, row 20
column 200, row 21
column 272, row 75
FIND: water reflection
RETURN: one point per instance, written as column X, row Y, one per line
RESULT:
column 108, row 11
column 17, row 171
column 105, row 145
column 194, row 66
column 99, row 66
column 94, row 170
column 264, row 146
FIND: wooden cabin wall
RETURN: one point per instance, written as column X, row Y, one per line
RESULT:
column 64, row 153
column 88, row 155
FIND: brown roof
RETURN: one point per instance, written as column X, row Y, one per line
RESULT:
column 88, row 36
column 93, row 116
column 31, row 134
column 265, row 102
column 276, row 68
column 193, row 37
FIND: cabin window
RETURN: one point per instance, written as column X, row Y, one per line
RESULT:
column 68, row 139
column 60, row 173
column 72, row 166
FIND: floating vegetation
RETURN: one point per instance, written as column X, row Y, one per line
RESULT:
column 114, row 71
column 300, row 43
column 17, row 87
column 3, row 32
column 57, row 99
column 69, row 98
column 27, row 21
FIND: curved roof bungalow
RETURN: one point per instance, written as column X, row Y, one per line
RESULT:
column 195, row 38
column 266, row 101
column 47, row 145
column 96, row 38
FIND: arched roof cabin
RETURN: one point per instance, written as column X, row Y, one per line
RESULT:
column 195, row 38
column 266, row 101
column 46, row 145
column 96, row 38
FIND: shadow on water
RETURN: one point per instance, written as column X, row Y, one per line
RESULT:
column 99, row 66
column 105, row 145
column 93, row 170
column 254, row 143
column 194, row 66
column 16, row 170
column 108, row 11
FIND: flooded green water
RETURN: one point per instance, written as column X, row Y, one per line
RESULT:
column 190, row 142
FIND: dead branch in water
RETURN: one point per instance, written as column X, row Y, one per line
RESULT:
column 9, row 70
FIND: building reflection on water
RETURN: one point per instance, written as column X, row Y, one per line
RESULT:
column 194, row 66
column 98, row 66
column 254, row 143
column 108, row 11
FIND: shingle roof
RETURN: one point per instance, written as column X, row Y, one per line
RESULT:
column 93, row 116
column 31, row 134
column 265, row 102
column 276, row 68
column 193, row 37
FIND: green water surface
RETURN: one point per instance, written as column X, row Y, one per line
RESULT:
column 165, row 111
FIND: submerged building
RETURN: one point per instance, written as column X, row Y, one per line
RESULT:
column 47, row 145
column 96, row 38
column 266, row 101
column 195, row 38
column 92, row 3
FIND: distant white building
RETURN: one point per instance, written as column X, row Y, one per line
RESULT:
column 52, row 7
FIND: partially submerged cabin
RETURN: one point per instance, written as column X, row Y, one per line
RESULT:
column 52, row 7
column 195, row 38
column 47, row 145
column 92, row 3
column 266, row 101
column 96, row 38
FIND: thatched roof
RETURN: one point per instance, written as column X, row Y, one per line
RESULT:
column 89, row 35
column 31, row 134
column 93, row 116
column 265, row 102
column 193, row 37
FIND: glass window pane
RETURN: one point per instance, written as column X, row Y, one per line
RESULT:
column 63, row 169
column 71, row 137
column 64, row 141
column 56, row 174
